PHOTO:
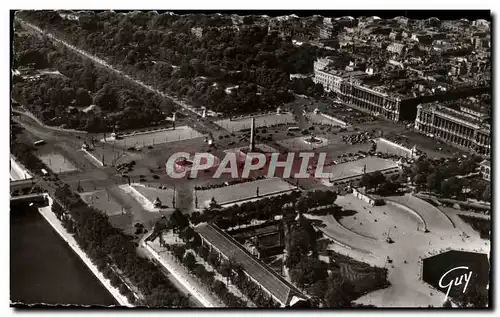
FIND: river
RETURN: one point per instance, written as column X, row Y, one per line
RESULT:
column 44, row 269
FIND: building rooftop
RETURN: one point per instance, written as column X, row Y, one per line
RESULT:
column 486, row 163
column 466, row 118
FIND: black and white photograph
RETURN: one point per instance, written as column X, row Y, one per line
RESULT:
column 263, row 159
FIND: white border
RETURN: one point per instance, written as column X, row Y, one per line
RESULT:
column 214, row 4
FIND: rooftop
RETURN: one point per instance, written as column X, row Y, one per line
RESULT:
column 282, row 290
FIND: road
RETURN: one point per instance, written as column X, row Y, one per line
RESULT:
column 141, row 250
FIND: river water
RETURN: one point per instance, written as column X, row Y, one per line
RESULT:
column 44, row 269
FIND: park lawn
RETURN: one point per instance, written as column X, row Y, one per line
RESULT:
column 57, row 163
column 260, row 121
column 243, row 191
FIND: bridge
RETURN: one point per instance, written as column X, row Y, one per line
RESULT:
column 20, row 185
column 40, row 199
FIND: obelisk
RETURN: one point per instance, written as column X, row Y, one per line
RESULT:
column 252, row 135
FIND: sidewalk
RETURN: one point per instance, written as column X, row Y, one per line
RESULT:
column 180, row 274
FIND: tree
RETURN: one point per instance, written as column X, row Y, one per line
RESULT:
column 318, row 89
column 213, row 258
column 319, row 288
column 486, row 196
column 451, row 187
column 88, row 76
column 187, row 234
column 302, row 241
column 301, row 205
column 433, row 181
column 202, row 251
column 226, row 269
column 106, row 98
column 189, row 260
column 178, row 251
column 195, row 242
column 82, row 98
column 218, row 287
column 308, row 271
column 177, row 221
column 366, row 181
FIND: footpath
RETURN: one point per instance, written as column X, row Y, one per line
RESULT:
column 181, row 275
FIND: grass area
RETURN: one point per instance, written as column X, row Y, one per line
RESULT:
column 260, row 121
column 363, row 277
column 355, row 168
column 111, row 156
column 153, row 138
column 152, row 192
column 243, row 191
column 102, row 201
column 482, row 226
column 57, row 163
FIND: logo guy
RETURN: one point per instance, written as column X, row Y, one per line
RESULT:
column 455, row 282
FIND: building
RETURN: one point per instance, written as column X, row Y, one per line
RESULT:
column 283, row 292
column 262, row 240
column 68, row 15
column 198, row 32
column 321, row 63
column 485, row 169
column 326, row 30
column 397, row 99
column 374, row 100
column 396, row 48
column 457, row 128
column 361, row 194
column 330, row 79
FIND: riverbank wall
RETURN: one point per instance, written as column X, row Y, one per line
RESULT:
column 51, row 218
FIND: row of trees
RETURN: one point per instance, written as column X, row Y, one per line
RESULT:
column 234, row 273
column 314, row 199
column 205, row 276
column 179, row 223
column 108, row 246
column 380, row 184
column 263, row 209
column 444, row 177
column 167, row 56
column 24, row 152
column 120, row 103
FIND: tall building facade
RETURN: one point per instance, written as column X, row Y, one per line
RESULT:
column 455, row 127
column 375, row 101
